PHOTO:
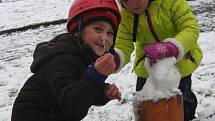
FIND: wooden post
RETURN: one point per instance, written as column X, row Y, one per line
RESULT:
column 163, row 110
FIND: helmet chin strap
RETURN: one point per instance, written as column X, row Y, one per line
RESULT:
column 81, row 43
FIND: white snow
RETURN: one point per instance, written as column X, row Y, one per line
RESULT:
column 162, row 83
column 16, row 56
column 163, row 80
column 25, row 12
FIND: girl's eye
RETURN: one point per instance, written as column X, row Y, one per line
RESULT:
column 98, row 29
column 111, row 34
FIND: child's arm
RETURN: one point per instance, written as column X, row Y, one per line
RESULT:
column 111, row 92
column 124, row 45
column 186, row 24
column 183, row 41
column 103, row 67
column 74, row 89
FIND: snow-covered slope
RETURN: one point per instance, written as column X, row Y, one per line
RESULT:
column 16, row 56
column 19, row 13
column 25, row 12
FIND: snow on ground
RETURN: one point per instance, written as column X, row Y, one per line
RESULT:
column 18, row 13
column 25, row 12
column 205, row 13
column 16, row 56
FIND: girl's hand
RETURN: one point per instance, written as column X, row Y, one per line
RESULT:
column 160, row 50
column 105, row 64
column 113, row 92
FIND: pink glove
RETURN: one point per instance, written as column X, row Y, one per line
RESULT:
column 160, row 50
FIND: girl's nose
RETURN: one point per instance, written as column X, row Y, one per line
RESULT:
column 104, row 37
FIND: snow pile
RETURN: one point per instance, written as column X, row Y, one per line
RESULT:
column 205, row 13
column 163, row 80
column 19, row 13
column 162, row 83
column 17, row 48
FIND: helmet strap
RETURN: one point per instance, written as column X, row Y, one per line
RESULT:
column 81, row 43
column 79, row 26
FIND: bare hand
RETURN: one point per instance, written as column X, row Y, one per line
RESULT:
column 113, row 92
column 105, row 64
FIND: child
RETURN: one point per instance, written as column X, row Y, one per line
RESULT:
column 70, row 70
column 160, row 28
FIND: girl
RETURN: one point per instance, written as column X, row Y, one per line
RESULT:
column 160, row 28
column 70, row 70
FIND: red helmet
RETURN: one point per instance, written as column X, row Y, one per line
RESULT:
column 87, row 11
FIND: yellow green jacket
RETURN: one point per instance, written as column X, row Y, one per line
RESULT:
column 172, row 21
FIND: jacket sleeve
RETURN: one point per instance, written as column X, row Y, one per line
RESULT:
column 124, row 43
column 186, row 24
column 103, row 99
column 73, row 90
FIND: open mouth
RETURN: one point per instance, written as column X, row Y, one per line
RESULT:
column 100, row 45
column 103, row 45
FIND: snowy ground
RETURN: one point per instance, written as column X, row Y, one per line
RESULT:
column 16, row 56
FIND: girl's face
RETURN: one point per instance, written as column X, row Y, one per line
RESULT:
column 135, row 6
column 99, row 36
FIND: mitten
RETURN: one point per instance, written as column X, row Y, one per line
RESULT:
column 160, row 50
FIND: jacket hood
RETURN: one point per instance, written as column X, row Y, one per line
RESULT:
column 64, row 43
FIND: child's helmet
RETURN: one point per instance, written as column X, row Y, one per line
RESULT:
column 88, row 11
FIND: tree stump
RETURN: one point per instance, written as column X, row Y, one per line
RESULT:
column 163, row 110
